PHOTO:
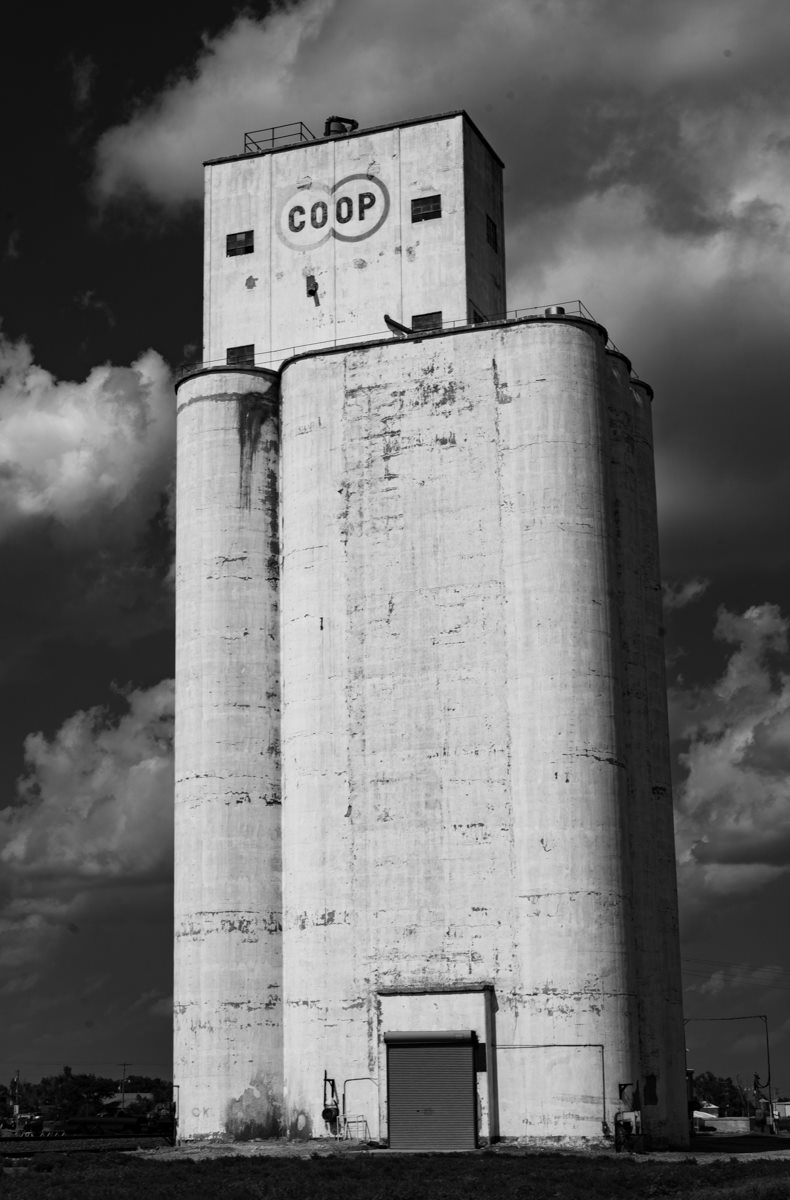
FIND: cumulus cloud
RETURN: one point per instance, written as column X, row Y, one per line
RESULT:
column 702, row 319
column 647, row 174
column 86, row 849
column 733, row 804
column 86, row 470
column 95, row 803
column 89, row 830
column 649, row 79
column 83, row 455
column 242, row 78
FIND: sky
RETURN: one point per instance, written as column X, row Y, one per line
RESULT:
column 647, row 153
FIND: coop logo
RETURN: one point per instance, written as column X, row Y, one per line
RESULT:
column 350, row 211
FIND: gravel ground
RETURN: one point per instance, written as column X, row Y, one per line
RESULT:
column 703, row 1150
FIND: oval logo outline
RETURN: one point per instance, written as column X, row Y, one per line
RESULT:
column 286, row 225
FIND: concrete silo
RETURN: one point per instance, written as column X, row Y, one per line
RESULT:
column 479, row 916
column 227, row 1001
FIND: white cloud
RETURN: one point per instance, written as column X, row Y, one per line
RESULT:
column 678, row 595
column 87, row 840
column 95, row 804
column 86, row 456
column 240, row 81
column 555, row 79
column 733, row 806
column 647, row 174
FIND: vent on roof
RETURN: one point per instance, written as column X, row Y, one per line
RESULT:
column 337, row 126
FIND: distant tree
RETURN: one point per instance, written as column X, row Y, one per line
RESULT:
column 722, row 1092
column 73, row 1095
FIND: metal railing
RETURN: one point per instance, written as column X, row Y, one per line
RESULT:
column 275, row 136
column 273, row 359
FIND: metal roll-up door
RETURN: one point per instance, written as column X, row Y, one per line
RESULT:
column 431, row 1091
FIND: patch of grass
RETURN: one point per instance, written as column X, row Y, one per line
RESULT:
column 111, row 1176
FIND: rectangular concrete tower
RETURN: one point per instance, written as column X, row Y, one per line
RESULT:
column 425, row 883
column 313, row 243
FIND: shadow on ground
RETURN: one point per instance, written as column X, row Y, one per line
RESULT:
column 747, row 1143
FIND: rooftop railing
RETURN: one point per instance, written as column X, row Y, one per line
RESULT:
column 273, row 359
column 276, row 136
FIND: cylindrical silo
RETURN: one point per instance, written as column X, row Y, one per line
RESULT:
column 648, row 881
column 457, row 737
column 663, row 1051
column 228, row 954
column 575, row 1011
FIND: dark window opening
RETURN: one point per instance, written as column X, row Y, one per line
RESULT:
column 492, row 234
column 426, row 208
column 421, row 321
column 241, row 356
column 240, row 243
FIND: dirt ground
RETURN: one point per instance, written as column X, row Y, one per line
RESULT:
column 704, row 1149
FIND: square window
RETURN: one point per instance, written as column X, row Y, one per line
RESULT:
column 241, row 356
column 240, row 243
column 492, row 235
column 426, row 208
column 422, row 321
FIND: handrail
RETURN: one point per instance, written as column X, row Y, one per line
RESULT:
column 272, row 359
column 257, row 140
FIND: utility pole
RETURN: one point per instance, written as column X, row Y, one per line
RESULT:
column 123, row 1083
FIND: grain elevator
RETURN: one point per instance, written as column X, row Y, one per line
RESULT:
column 424, row 881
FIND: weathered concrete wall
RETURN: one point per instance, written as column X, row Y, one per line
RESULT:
column 663, row 1048
column 228, row 954
column 486, row 286
column 340, row 212
column 458, row 755
column 660, row 1087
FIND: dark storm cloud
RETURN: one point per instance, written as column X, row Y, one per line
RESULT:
column 86, row 852
column 733, row 803
column 647, row 174
column 721, row 419
column 576, row 97
column 733, row 847
column 94, row 804
column 99, row 592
